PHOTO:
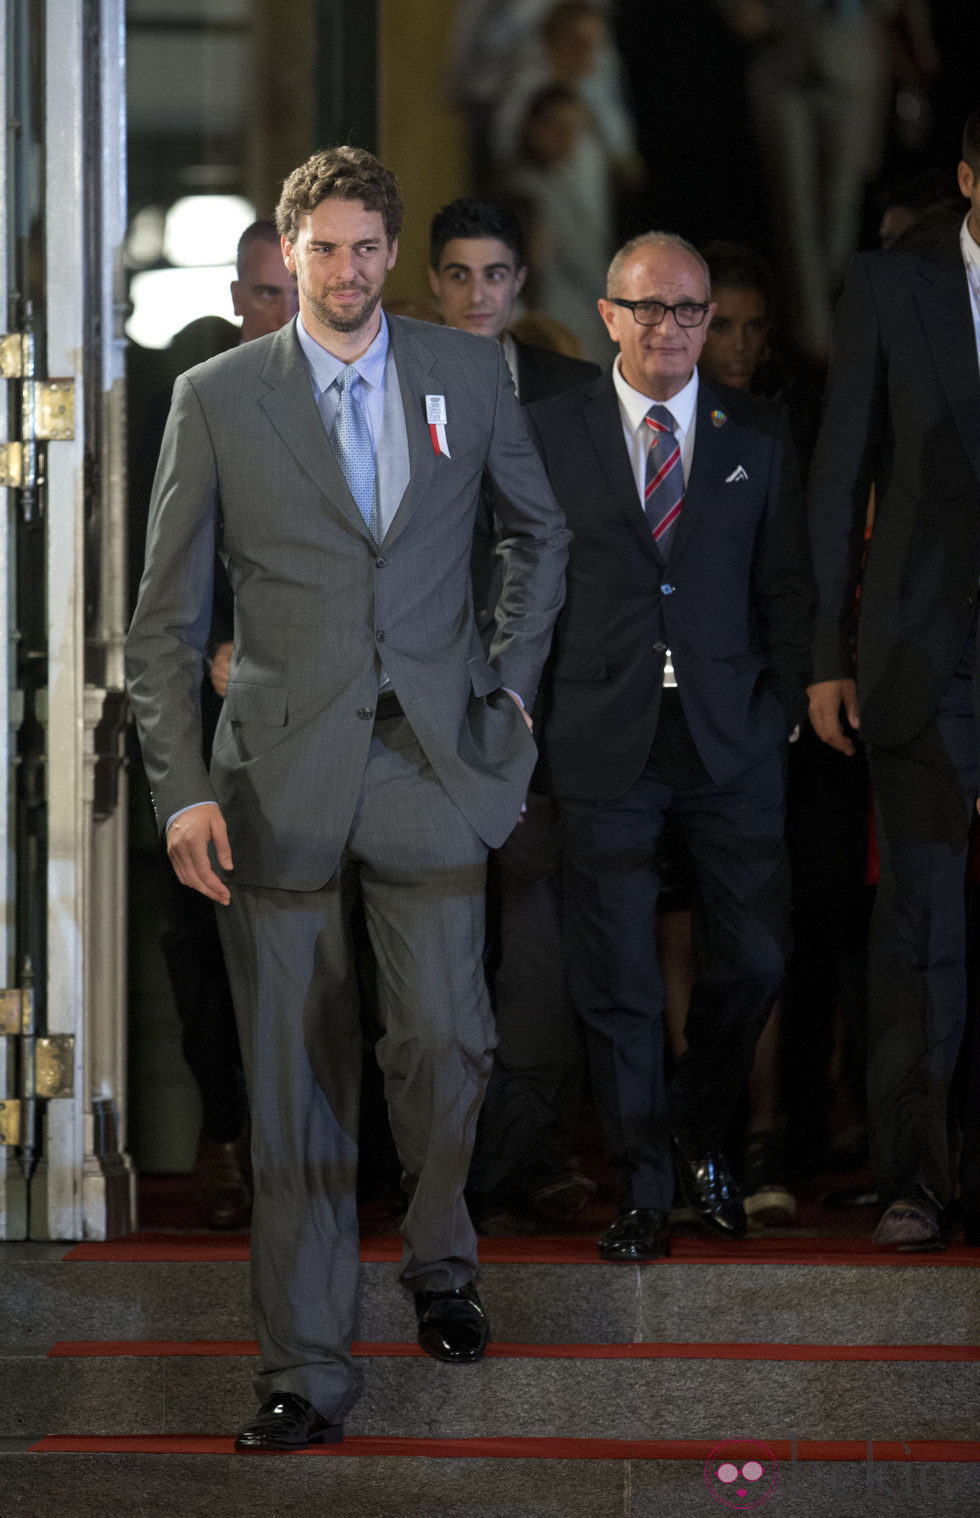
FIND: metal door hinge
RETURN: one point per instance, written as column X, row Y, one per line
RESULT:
column 15, row 355
column 54, row 1067
column 12, row 465
column 13, row 1007
column 53, row 401
column 10, row 1123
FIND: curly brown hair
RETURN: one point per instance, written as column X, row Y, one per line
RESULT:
column 347, row 173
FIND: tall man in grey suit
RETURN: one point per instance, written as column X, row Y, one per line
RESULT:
column 366, row 744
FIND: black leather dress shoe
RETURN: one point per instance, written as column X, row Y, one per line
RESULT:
column 636, row 1233
column 453, row 1325
column 286, row 1422
column 710, row 1188
column 220, row 1184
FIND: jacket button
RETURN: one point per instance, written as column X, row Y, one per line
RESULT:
column 380, row 636
column 380, row 562
column 366, row 713
column 667, row 590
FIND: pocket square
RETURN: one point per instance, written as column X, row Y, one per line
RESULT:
column 736, row 474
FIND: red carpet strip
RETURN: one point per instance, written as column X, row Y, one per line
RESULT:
column 558, row 1250
column 836, row 1451
column 215, row 1348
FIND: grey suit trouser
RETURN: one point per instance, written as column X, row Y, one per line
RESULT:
column 421, row 869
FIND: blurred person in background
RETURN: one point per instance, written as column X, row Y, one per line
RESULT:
column 264, row 295
column 560, row 186
column 494, row 42
column 818, row 79
column 575, row 51
column 264, row 292
column 521, row 1178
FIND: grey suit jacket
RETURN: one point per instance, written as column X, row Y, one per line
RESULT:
column 246, row 464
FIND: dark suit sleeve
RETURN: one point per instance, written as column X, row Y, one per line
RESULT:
column 532, row 545
column 847, row 455
column 782, row 580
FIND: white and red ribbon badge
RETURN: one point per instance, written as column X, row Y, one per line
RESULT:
column 435, row 415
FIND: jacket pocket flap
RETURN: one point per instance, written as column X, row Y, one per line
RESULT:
column 483, row 679
column 256, row 703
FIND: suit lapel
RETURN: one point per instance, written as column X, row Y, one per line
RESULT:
column 605, row 425
column 414, row 361
column 290, row 406
column 943, row 298
column 712, row 446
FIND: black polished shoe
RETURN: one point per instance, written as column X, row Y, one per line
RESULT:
column 452, row 1324
column 636, row 1233
column 287, row 1422
column 220, row 1184
column 710, row 1188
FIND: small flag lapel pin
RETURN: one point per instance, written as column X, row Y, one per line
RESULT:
column 718, row 419
column 435, row 415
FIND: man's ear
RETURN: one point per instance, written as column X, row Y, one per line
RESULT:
column 965, row 178
column 610, row 315
column 236, row 295
column 521, row 277
column 434, row 282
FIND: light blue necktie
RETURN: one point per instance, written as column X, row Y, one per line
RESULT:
column 352, row 443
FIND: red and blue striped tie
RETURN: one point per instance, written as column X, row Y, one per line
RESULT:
column 663, row 494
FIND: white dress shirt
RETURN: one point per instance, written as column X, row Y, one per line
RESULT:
column 633, row 407
column 971, row 257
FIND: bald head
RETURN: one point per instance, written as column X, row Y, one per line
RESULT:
column 658, row 360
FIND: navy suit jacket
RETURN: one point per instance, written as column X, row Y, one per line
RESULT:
column 733, row 602
column 902, row 414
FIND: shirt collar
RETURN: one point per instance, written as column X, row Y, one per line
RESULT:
column 971, row 249
column 325, row 366
column 634, row 405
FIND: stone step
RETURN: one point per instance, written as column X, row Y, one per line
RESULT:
column 44, row 1298
column 226, row 1486
column 511, row 1395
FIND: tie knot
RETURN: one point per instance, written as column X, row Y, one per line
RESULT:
column 659, row 419
column 347, row 379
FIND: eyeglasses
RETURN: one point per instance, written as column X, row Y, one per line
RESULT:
column 650, row 313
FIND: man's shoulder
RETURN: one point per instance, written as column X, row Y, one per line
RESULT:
column 569, row 404
column 450, row 344
column 934, row 248
column 239, row 365
column 543, row 373
column 724, row 406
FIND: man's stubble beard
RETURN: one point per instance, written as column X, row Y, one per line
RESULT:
column 346, row 322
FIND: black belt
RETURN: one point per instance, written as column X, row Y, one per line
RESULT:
column 388, row 705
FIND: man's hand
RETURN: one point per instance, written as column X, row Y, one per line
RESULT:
column 827, row 698
column 187, row 844
column 221, row 667
column 523, row 710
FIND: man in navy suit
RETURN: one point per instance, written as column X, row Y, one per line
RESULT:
column 903, row 415
column 677, row 675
